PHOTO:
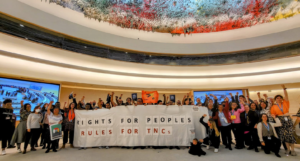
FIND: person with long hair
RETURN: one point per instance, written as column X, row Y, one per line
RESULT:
column 187, row 100
column 236, row 123
column 254, row 119
column 224, row 122
column 267, row 134
column 266, row 106
column 20, row 131
column 281, row 110
column 33, row 128
column 53, row 118
column 69, row 124
column 213, row 134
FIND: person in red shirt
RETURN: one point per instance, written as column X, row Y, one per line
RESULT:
column 224, row 122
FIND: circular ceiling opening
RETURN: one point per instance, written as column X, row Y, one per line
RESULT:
column 184, row 16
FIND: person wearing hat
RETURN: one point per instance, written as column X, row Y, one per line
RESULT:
column 6, row 123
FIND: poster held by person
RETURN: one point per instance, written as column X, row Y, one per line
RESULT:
column 54, row 119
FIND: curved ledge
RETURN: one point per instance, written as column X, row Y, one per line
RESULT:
column 49, row 38
column 37, row 60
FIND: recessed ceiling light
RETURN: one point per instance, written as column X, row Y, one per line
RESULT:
column 126, row 52
column 21, row 25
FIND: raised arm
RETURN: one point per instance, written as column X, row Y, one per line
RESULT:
column 202, row 122
column 184, row 97
column 168, row 99
column 116, row 100
column 22, row 106
column 250, row 100
column 49, row 107
column 74, row 98
column 82, row 99
column 215, row 108
column 164, row 95
column 269, row 102
column 226, row 108
column 232, row 98
column 111, row 99
column 99, row 102
column 237, row 98
column 258, row 95
column 65, row 105
column 206, row 100
column 286, row 97
column 242, row 109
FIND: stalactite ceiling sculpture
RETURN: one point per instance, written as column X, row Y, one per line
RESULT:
column 184, row 16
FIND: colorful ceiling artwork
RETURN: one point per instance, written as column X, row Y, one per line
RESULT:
column 184, row 16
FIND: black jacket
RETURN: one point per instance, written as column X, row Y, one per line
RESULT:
column 209, row 132
column 195, row 149
column 253, row 119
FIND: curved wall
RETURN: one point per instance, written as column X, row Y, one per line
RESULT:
column 72, row 23
column 28, row 59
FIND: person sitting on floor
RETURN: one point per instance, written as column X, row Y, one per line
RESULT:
column 195, row 148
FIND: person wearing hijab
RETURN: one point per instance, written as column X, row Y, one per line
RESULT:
column 7, row 123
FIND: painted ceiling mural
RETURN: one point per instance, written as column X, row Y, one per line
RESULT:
column 184, row 16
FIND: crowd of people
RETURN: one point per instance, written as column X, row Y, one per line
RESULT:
column 265, row 123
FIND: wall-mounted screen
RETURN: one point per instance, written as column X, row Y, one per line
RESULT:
column 31, row 92
column 221, row 95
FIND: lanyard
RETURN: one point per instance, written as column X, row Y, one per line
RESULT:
column 267, row 127
column 232, row 112
column 280, row 108
column 222, row 114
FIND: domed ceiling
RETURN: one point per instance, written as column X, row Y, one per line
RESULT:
column 184, row 16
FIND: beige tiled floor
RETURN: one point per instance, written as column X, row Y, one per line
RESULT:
column 118, row 154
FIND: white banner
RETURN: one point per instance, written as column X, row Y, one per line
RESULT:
column 153, row 125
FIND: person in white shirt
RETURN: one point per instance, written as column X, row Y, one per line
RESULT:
column 33, row 128
column 53, row 118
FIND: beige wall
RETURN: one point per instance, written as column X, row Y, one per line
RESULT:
column 91, row 95
column 293, row 93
